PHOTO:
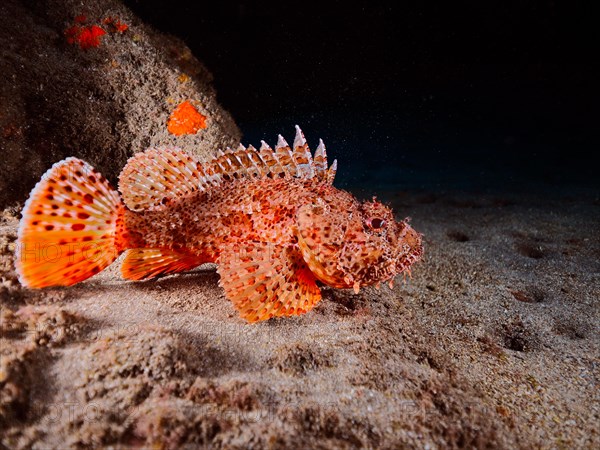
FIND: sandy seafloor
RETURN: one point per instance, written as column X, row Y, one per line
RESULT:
column 494, row 342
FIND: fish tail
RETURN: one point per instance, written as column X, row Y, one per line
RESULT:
column 71, row 227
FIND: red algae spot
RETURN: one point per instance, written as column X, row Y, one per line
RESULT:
column 88, row 36
column 72, row 33
column 115, row 25
column 185, row 119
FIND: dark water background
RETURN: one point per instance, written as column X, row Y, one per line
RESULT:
column 485, row 96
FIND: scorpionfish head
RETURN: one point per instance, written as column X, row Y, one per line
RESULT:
column 348, row 244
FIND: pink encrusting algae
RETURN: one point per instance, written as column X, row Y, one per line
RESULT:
column 271, row 220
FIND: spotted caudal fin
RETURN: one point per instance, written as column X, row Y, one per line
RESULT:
column 70, row 227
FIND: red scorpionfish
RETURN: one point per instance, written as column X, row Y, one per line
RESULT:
column 271, row 220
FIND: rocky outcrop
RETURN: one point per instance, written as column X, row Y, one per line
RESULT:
column 91, row 80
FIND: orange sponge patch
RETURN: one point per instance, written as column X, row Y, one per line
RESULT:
column 185, row 119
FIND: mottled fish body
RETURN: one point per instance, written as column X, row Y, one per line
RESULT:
column 270, row 218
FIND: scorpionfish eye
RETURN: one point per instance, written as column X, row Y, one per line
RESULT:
column 376, row 223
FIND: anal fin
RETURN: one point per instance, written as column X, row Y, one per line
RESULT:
column 265, row 280
column 144, row 263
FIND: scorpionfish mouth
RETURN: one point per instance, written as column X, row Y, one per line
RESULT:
column 410, row 248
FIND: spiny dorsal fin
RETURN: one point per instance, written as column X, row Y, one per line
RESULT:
column 283, row 162
column 261, row 165
column 271, row 161
column 240, row 163
column 156, row 177
column 247, row 159
column 223, row 167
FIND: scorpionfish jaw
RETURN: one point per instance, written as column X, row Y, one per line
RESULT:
column 409, row 248
column 355, row 244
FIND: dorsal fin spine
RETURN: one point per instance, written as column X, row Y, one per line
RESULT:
column 251, row 166
column 281, row 142
column 331, row 172
column 234, row 162
column 299, row 140
column 320, row 160
column 271, row 161
column 284, row 156
column 260, row 164
column 203, row 180
column 220, row 162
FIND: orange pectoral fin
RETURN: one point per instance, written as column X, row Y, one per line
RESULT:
column 265, row 281
column 144, row 263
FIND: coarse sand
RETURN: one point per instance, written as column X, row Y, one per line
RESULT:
column 493, row 342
